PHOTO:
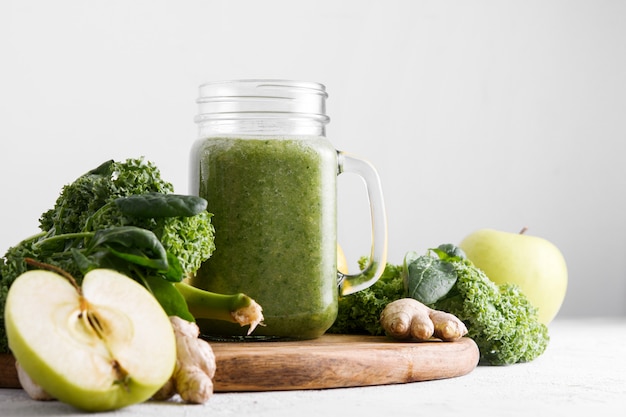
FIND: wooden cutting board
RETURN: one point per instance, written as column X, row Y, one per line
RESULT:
column 331, row 361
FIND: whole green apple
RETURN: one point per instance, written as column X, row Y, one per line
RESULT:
column 536, row 265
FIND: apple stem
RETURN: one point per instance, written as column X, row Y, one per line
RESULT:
column 56, row 269
column 524, row 229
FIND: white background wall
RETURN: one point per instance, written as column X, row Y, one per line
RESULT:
column 497, row 114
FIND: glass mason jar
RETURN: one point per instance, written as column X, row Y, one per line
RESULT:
column 269, row 174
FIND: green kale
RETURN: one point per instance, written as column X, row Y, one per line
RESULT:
column 180, row 223
column 123, row 216
column 500, row 319
column 359, row 312
column 88, row 193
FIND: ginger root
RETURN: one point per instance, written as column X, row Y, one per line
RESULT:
column 195, row 366
column 33, row 389
column 408, row 318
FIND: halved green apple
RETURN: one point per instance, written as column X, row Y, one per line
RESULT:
column 101, row 346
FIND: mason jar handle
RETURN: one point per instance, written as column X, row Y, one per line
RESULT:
column 351, row 283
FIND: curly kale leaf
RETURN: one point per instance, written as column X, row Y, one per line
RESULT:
column 13, row 265
column 91, row 191
column 500, row 319
column 153, row 236
column 359, row 312
column 191, row 239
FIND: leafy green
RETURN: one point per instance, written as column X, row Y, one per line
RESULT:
column 500, row 319
column 91, row 191
column 359, row 312
column 427, row 279
column 449, row 252
column 123, row 216
column 153, row 204
column 167, row 295
column 133, row 244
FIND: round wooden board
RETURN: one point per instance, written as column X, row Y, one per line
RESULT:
column 334, row 361
column 331, row 361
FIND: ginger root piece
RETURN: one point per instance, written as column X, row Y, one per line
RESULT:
column 195, row 365
column 407, row 318
column 33, row 390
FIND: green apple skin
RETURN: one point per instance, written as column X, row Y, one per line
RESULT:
column 71, row 364
column 536, row 265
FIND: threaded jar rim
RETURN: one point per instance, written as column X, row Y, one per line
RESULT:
column 262, row 98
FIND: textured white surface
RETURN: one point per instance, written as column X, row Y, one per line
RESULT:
column 583, row 370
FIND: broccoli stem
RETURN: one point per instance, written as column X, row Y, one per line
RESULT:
column 234, row 308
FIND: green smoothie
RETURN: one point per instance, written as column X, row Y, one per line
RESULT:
column 274, row 206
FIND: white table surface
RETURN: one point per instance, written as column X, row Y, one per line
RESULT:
column 582, row 371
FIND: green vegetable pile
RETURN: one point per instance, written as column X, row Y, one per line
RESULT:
column 123, row 216
column 499, row 319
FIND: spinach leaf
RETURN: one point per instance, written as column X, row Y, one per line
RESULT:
column 83, row 262
column 140, row 258
column 168, row 296
column 155, row 205
column 175, row 270
column 103, row 169
column 428, row 279
column 449, row 252
column 133, row 244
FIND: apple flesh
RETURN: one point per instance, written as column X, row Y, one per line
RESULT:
column 102, row 346
column 536, row 265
